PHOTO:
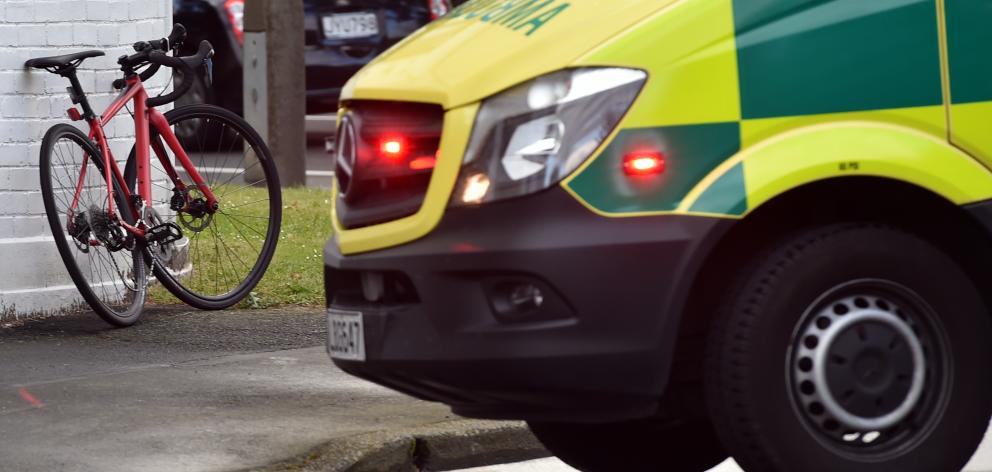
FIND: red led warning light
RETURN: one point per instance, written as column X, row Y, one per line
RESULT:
column 393, row 147
column 644, row 163
column 423, row 163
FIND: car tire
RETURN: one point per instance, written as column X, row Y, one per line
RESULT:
column 633, row 446
column 851, row 347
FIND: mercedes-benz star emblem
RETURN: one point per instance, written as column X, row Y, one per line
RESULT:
column 346, row 154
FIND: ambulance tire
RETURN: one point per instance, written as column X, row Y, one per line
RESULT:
column 633, row 446
column 851, row 347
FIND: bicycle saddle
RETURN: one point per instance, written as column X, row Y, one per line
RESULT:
column 60, row 61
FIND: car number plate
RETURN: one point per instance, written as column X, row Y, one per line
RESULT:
column 350, row 25
column 345, row 335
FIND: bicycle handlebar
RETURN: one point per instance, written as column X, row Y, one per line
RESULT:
column 186, row 65
column 144, row 50
column 149, row 72
column 205, row 51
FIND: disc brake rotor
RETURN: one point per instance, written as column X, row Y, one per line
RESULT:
column 195, row 216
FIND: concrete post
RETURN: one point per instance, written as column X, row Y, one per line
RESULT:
column 275, row 83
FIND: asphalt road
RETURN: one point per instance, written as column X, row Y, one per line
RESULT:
column 191, row 390
column 182, row 390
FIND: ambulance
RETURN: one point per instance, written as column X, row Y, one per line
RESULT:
column 668, row 232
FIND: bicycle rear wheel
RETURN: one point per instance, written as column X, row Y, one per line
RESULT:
column 225, row 253
column 105, row 262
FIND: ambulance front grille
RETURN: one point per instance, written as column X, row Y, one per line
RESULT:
column 375, row 186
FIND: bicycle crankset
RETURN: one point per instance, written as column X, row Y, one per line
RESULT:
column 166, row 241
column 165, row 233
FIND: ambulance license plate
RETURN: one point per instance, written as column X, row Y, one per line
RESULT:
column 345, row 335
column 350, row 25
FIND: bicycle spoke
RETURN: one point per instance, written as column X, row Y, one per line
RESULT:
column 242, row 188
column 218, row 239
column 219, row 147
column 245, row 238
column 247, row 203
column 233, row 219
column 241, row 215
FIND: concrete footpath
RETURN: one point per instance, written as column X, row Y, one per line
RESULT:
column 217, row 391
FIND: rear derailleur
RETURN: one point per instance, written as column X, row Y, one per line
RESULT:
column 95, row 227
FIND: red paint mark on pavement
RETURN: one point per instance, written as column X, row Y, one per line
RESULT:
column 464, row 247
column 33, row 400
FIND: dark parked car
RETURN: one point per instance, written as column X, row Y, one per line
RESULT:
column 341, row 37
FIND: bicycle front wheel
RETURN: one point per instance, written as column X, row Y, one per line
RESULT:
column 105, row 262
column 224, row 253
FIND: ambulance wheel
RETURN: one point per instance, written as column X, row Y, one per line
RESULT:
column 633, row 446
column 853, row 348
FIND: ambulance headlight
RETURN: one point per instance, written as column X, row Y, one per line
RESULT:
column 530, row 137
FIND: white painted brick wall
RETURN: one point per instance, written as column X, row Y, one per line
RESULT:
column 32, row 277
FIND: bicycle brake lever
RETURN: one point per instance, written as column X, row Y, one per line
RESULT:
column 208, row 78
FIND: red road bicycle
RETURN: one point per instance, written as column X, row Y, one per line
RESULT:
column 206, row 229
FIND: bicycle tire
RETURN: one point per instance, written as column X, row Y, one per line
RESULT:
column 189, row 291
column 128, row 310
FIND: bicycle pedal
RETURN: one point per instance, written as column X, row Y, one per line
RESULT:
column 165, row 233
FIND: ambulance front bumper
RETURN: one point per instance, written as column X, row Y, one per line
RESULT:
column 454, row 320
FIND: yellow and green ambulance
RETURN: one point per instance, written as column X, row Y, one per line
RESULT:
column 665, row 232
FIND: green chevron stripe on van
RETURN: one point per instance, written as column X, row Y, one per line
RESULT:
column 691, row 152
column 969, row 35
column 727, row 196
column 801, row 57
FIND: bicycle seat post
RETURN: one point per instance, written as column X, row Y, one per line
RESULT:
column 76, row 92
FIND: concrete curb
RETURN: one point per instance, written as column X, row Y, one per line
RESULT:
column 447, row 445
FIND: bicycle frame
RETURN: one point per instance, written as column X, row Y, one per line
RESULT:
column 144, row 119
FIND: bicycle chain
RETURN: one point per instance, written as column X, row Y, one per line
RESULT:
column 155, row 260
column 153, row 254
column 121, row 274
